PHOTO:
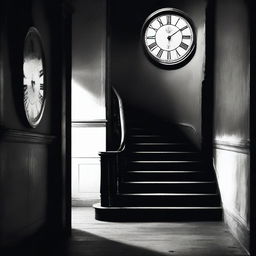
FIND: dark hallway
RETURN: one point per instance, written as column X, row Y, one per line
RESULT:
column 127, row 127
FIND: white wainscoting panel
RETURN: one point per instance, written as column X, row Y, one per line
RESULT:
column 86, row 143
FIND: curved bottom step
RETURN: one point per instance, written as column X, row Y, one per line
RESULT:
column 159, row 214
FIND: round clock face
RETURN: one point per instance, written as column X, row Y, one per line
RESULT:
column 33, row 78
column 169, row 36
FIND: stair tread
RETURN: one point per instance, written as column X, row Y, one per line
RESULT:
column 168, row 182
column 160, row 143
column 146, row 135
column 159, row 207
column 168, row 194
column 164, row 152
column 164, row 161
column 157, row 172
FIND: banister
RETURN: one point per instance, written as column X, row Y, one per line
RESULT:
column 122, row 121
column 111, row 164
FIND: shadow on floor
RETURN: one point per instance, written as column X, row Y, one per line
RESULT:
column 83, row 243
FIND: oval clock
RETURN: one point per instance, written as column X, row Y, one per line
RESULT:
column 169, row 37
column 33, row 77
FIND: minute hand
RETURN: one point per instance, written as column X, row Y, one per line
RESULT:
column 175, row 33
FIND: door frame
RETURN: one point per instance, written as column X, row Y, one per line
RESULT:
column 252, row 20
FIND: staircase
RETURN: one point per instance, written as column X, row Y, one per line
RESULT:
column 165, row 177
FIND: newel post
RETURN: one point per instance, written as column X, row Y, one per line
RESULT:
column 109, row 170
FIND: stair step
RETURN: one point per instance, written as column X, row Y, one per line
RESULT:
column 164, row 155
column 161, row 146
column 168, row 187
column 164, row 152
column 164, row 177
column 157, row 213
column 150, row 175
column 164, row 165
column 168, row 199
column 154, row 138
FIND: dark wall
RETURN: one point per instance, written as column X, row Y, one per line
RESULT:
column 29, row 157
column 231, row 113
column 17, row 22
column 232, row 70
column 88, row 60
column 175, row 95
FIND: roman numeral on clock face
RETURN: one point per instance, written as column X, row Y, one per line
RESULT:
column 160, row 22
column 160, row 52
column 168, row 18
column 41, row 86
column 25, row 98
column 177, row 21
column 151, row 37
column 26, row 101
column 41, row 98
column 184, row 46
column 186, row 37
column 177, row 53
column 152, row 46
column 41, row 72
column 183, row 28
column 169, row 55
column 150, row 26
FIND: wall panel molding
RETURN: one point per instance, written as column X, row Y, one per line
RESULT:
column 90, row 123
column 240, row 147
column 238, row 228
column 19, row 136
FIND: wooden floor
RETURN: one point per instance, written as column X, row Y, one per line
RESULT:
column 97, row 238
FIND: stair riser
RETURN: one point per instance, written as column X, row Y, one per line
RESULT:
column 152, row 134
column 169, row 188
column 174, row 201
column 154, row 139
column 165, row 166
column 146, row 125
column 159, row 215
column 201, row 176
column 174, row 147
column 164, row 156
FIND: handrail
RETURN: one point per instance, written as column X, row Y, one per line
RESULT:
column 122, row 121
column 112, row 163
column 187, row 125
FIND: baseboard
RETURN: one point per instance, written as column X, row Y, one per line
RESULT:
column 238, row 229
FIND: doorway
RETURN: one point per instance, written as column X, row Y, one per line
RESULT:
column 88, row 101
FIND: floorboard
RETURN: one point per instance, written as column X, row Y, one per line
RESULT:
column 99, row 238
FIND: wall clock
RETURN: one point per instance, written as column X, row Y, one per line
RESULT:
column 33, row 77
column 169, row 37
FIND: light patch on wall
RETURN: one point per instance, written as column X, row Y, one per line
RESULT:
column 232, row 169
column 85, row 106
column 232, row 139
column 88, row 141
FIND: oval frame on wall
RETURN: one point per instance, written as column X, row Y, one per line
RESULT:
column 34, row 70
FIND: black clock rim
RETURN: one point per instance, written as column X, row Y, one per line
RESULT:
column 34, row 123
column 187, row 57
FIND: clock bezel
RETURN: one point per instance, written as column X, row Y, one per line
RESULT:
column 189, row 54
column 36, row 34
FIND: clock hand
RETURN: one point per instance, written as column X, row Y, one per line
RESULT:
column 173, row 34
